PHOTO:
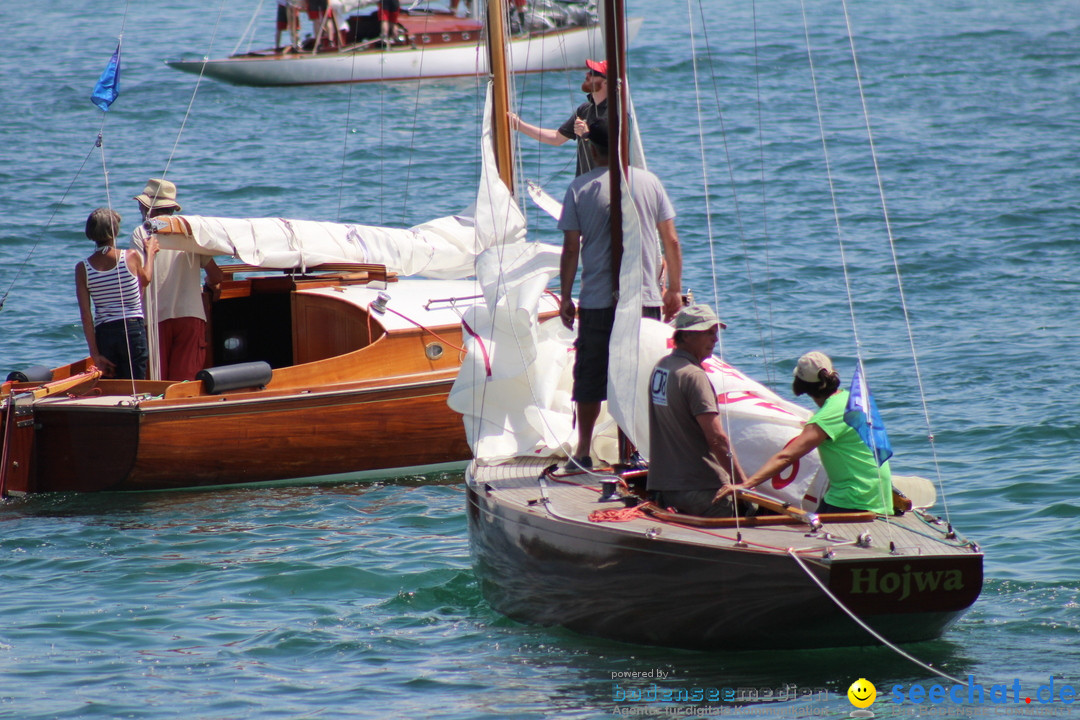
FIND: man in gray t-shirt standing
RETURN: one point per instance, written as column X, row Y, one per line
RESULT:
column 586, row 226
column 691, row 458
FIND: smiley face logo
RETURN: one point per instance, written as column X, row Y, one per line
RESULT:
column 862, row 693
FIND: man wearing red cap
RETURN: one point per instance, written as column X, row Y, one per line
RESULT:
column 577, row 126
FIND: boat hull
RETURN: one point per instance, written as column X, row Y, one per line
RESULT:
column 598, row 579
column 339, row 434
column 554, row 50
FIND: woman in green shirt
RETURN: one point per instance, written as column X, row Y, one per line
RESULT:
column 856, row 483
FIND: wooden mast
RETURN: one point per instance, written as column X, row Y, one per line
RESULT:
column 618, row 135
column 500, row 77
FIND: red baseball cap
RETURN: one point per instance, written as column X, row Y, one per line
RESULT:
column 599, row 66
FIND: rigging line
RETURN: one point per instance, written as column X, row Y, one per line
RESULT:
column 768, row 352
column 833, row 200
column 412, row 136
column 895, row 260
column 726, row 412
column 877, row 636
column 48, row 223
column 731, row 177
column 248, row 34
column 345, row 141
column 60, row 203
column 123, row 254
column 195, row 90
column 701, row 147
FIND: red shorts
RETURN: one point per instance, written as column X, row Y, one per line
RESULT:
column 388, row 15
column 182, row 347
column 316, row 9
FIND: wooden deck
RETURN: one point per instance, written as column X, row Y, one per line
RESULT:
column 575, row 497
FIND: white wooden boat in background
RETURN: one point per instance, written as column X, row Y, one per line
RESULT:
column 441, row 46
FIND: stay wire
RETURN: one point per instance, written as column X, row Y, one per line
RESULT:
column 731, row 180
column 896, row 262
column 48, row 223
column 345, row 140
column 769, row 350
column 835, row 205
column 876, row 635
column 98, row 142
column 195, row 90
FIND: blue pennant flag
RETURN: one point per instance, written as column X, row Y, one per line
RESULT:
column 108, row 87
column 862, row 414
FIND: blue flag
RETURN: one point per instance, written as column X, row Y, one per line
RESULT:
column 862, row 414
column 108, row 87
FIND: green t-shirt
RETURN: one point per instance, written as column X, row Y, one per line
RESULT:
column 855, row 480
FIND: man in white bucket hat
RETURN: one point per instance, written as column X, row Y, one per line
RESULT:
column 174, row 299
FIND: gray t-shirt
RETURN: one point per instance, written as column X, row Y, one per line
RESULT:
column 679, row 455
column 587, row 209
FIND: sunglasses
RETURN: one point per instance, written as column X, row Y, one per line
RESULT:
column 593, row 73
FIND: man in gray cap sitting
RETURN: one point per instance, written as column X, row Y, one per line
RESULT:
column 691, row 458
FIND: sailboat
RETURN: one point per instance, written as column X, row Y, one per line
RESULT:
column 590, row 552
column 334, row 347
column 434, row 43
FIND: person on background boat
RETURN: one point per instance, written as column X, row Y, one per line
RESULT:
column 454, row 6
column 323, row 23
column 577, row 126
column 586, row 226
column 109, row 286
column 288, row 20
column 856, row 483
column 691, row 458
column 175, row 296
column 389, row 12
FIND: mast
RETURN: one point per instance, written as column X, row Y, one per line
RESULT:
column 618, row 149
column 500, row 91
column 618, row 137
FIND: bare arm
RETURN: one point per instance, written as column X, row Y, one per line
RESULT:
column 82, row 292
column 568, row 262
column 143, row 270
column 720, row 445
column 673, row 260
column 214, row 276
column 811, row 436
column 548, row 136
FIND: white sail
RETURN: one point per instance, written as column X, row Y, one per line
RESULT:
column 508, row 378
column 445, row 248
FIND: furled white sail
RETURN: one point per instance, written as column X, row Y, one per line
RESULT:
column 444, row 248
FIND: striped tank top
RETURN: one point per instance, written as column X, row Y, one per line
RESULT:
column 115, row 293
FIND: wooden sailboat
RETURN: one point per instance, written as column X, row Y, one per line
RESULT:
column 334, row 347
column 589, row 552
column 436, row 44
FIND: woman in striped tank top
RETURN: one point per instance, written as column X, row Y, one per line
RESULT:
column 111, row 281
